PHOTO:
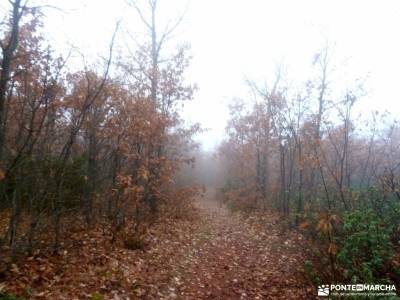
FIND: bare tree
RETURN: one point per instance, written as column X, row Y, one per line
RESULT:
column 8, row 48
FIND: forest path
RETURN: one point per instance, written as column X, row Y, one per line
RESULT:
column 211, row 254
column 231, row 257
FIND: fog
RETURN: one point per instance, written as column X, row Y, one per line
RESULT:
column 235, row 41
column 198, row 149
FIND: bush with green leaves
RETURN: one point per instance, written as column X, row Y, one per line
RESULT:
column 310, row 273
column 5, row 296
column 365, row 246
column 386, row 207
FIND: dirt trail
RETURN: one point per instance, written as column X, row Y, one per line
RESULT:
column 233, row 258
column 212, row 254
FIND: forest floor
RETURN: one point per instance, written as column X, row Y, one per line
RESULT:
column 212, row 255
column 233, row 257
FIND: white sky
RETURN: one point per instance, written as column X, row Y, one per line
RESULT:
column 236, row 39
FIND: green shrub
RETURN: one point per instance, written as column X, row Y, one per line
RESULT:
column 387, row 208
column 365, row 246
column 5, row 296
column 310, row 274
column 97, row 296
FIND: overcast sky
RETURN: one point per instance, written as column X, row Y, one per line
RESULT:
column 236, row 39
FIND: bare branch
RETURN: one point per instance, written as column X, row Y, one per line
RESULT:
column 138, row 10
column 169, row 30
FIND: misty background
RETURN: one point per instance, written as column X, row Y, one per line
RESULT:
column 235, row 41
